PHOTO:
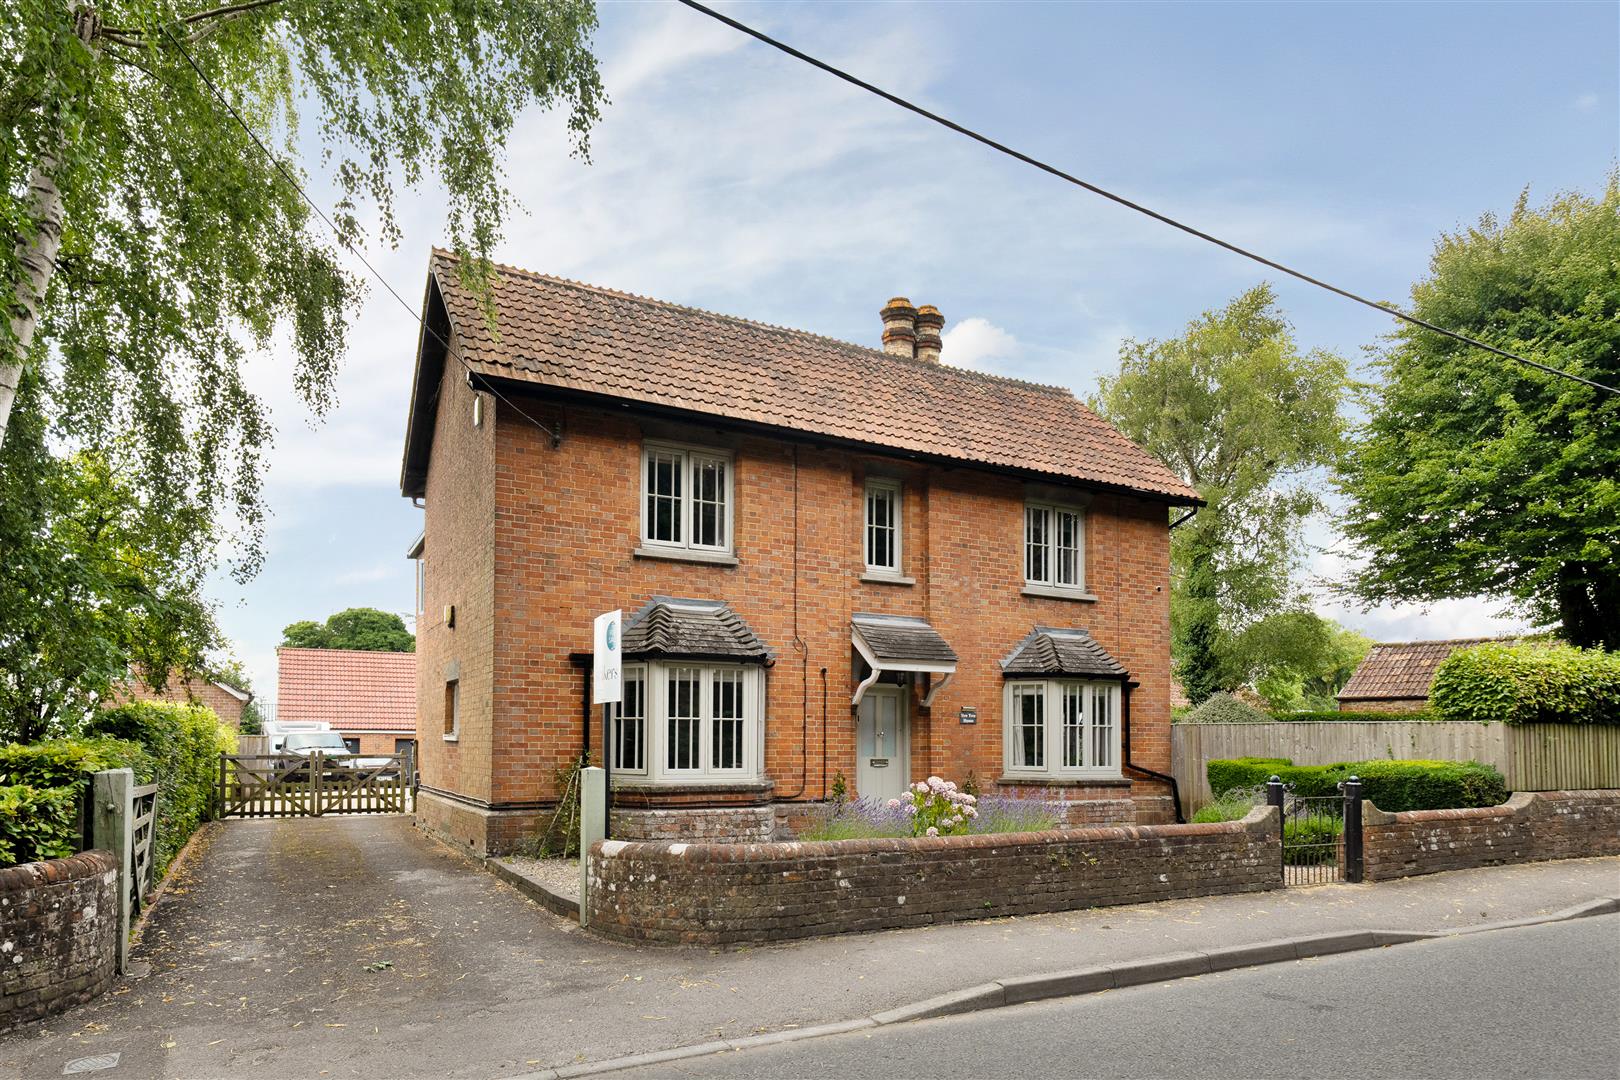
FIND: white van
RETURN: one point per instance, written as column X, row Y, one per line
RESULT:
column 278, row 730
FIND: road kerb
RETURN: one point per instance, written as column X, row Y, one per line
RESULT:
column 1077, row 981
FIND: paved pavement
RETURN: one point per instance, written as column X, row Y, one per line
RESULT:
column 358, row 947
column 1525, row 1003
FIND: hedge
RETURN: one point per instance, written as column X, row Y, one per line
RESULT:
column 42, row 786
column 38, row 823
column 1529, row 684
column 1391, row 785
column 184, row 743
column 1223, row 708
column 1421, row 716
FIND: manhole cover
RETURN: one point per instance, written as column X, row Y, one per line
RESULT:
column 90, row 1064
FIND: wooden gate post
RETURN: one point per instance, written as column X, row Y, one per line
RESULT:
column 113, row 829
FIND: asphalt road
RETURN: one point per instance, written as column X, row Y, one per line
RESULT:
column 1541, row 1001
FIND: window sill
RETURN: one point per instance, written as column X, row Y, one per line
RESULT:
column 1064, row 781
column 452, row 738
column 637, row 783
column 1053, row 592
column 710, row 558
column 875, row 577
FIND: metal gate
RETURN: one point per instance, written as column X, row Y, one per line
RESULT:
column 292, row 785
column 1321, row 834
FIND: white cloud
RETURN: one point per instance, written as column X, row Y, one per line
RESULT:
column 1587, row 102
column 976, row 342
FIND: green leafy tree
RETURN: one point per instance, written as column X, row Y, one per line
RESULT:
column 354, row 628
column 1238, row 411
column 156, row 244
column 1300, row 661
column 95, row 582
column 1475, row 476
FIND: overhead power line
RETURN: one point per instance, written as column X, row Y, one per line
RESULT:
column 1130, row 204
column 415, row 314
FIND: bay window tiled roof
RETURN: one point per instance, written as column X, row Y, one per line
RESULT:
column 1057, row 652
column 668, row 627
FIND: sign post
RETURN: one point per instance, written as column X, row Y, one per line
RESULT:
column 607, row 690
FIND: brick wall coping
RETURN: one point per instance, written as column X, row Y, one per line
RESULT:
column 1259, row 819
column 86, row 864
column 1517, row 803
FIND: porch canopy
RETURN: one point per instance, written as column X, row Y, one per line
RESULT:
column 671, row 628
column 1052, row 652
column 900, row 643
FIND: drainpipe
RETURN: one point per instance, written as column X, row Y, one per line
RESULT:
column 1125, row 722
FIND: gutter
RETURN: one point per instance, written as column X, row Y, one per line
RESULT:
column 1125, row 723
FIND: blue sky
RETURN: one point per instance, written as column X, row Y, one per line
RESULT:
column 1342, row 138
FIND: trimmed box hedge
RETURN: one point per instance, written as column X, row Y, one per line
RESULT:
column 1391, row 785
column 1538, row 683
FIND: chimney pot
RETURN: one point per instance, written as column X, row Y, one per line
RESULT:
column 929, row 324
column 899, row 327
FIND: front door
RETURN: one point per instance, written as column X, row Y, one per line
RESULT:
column 883, row 744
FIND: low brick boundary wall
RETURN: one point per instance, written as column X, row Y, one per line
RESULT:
column 718, row 894
column 1529, row 827
column 710, row 825
column 58, row 935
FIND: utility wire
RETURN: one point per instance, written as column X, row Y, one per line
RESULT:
column 299, row 188
column 1095, row 189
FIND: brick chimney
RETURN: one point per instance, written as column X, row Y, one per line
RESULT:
column 899, row 327
column 929, row 324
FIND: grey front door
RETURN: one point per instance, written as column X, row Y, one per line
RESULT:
column 882, row 744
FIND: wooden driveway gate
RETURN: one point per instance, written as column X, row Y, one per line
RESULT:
column 291, row 785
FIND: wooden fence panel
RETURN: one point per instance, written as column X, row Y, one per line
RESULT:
column 1534, row 757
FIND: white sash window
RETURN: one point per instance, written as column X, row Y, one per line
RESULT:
column 690, row 723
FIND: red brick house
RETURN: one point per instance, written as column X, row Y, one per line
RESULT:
column 368, row 697
column 226, row 700
column 833, row 561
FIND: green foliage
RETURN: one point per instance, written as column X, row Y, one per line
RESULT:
column 184, row 743
column 1233, row 805
column 1299, row 660
column 68, row 762
column 839, row 792
column 42, row 785
column 1236, row 409
column 1333, row 716
column 183, row 248
column 94, row 581
column 1391, row 785
column 367, row 629
column 1223, row 708
column 37, row 823
column 1474, row 475
column 1529, row 684
column 1430, row 785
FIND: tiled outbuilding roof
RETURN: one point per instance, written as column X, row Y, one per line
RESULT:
column 674, row 628
column 350, row 689
column 573, row 337
column 1401, row 670
column 1052, row 651
column 901, row 639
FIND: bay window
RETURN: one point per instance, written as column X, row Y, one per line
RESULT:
column 1062, row 728
column 690, row 722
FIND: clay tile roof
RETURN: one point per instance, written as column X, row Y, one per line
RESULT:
column 1402, row 670
column 901, row 639
column 581, row 338
column 1051, row 651
column 349, row 689
column 671, row 627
